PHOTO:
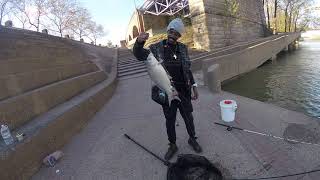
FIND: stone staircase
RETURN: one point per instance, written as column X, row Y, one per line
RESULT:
column 49, row 89
column 129, row 66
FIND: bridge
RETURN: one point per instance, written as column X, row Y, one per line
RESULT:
column 209, row 34
column 164, row 7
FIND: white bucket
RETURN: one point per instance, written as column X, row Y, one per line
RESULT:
column 228, row 110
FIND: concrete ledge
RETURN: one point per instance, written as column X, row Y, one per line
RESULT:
column 22, row 160
column 21, row 65
column 51, row 131
column 197, row 61
column 245, row 60
column 18, row 110
column 39, row 53
column 13, row 85
column 232, row 48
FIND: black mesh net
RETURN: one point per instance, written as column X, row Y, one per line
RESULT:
column 193, row 167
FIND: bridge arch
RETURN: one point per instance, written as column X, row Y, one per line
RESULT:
column 135, row 32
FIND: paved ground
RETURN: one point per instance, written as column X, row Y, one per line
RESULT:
column 101, row 152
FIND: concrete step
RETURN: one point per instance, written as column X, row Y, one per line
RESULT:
column 138, row 75
column 130, row 63
column 49, row 59
column 122, row 67
column 123, row 50
column 127, row 60
column 125, row 55
column 34, row 41
column 20, row 109
column 130, row 66
column 131, row 69
column 30, row 36
column 38, row 52
column 18, row 39
column 19, row 66
column 12, row 85
column 132, row 72
column 45, row 43
column 51, row 131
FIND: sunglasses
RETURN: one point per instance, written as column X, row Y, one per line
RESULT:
column 174, row 32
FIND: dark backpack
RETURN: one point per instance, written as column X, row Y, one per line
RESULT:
column 193, row 167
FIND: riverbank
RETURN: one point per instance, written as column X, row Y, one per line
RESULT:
column 292, row 81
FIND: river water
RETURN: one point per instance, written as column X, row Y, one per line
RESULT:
column 292, row 82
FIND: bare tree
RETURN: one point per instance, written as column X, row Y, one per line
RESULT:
column 5, row 6
column 286, row 9
column 40, row 9
column 275, row 15
column 19, row 12
column 267, row 4
column 81, row 24
column 62, row 13
column 302, row 14
column 109, row 44
column 96, row 31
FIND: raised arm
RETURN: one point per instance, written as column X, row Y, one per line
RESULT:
column 139, row 52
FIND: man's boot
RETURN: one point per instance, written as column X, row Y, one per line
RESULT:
column 171, row 151
column 195, row 145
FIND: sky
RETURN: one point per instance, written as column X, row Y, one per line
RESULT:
column 114, row 15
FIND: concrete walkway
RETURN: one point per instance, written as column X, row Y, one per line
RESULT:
column 101, row 152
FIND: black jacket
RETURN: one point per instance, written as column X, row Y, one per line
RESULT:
column 158, row 51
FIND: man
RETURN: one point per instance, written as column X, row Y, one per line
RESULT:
column 177, row 64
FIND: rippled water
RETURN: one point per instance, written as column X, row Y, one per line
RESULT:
column 292, row 82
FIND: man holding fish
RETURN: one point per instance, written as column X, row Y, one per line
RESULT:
column 168, row 65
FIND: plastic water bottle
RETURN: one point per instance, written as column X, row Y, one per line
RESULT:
column 6, row 135
column 52, row 158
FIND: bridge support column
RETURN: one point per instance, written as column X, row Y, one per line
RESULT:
column 274, row 58
column 296, row 43
column 293, row 46
column 199, row 24
column 213, row 29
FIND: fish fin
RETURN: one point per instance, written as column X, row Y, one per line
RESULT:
column 160, row 60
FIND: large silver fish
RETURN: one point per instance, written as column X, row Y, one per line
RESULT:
column 160, row 77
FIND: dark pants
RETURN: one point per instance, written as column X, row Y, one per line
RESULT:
column 171, row 113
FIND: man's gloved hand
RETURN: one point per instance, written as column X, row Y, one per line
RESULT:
column 142, row 37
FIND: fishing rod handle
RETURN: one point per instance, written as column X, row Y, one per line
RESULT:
column 232, row 127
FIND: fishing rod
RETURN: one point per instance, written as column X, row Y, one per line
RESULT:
column 167, row 163
column 230, row 128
